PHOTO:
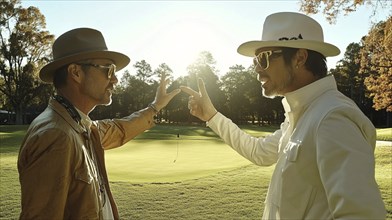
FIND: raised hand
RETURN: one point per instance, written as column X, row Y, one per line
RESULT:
column 199, row 103
column 161, row 97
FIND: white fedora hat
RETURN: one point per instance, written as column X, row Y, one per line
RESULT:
column 290, row 29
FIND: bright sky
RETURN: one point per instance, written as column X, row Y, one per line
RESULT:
column 175, row 32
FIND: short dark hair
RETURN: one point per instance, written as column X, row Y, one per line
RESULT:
column 316, row 62
column 60, row 77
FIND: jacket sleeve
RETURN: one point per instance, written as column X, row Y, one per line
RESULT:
column 260, row 151
column 116, row 132
column 44, row 166
column 345, row 158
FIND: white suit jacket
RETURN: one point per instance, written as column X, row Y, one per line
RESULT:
column 324, row 155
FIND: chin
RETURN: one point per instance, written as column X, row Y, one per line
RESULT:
column 108, row 100
column 269, row 94
column 105, row 101
column 108, row 103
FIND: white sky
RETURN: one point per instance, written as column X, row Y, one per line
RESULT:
column 174, row 32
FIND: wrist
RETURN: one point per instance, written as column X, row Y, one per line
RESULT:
column 154, row 108
column 216, row 112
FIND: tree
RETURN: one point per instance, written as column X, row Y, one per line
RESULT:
column 237, row 85
column 349, row 81
column 233, row 82
column 163, row 68
column 376, row 64
column 245, row 100
column 376, row 49
column 143, row 71
column 204, row 67
column 332, row 8
column 143, row 85
column 24, row 50
column 177, row 109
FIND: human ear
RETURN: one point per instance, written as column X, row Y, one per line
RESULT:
column 74, row 71
column 301, row 57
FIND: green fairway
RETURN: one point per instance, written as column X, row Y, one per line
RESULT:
column 157, row 160
column 384, row 134
column 208, row 180
column 175, row 153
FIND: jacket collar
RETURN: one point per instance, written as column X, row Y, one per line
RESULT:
column 85, row 120
column 300, row 98
column 59, row 109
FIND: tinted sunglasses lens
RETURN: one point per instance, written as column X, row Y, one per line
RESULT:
column 262, row 60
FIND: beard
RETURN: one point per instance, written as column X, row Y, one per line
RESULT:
column 96, row 95
column 274, row 89
column 105, row 99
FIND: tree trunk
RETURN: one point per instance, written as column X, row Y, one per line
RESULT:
column 19, row 115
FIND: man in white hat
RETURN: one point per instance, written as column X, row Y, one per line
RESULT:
column 324, row 149
column 61, row 161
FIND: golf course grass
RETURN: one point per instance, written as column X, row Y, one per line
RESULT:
column 172, row 154
column 177, row 172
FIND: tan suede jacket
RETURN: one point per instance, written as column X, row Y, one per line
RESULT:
column 55, row 169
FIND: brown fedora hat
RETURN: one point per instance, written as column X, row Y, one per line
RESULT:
column 80, row 44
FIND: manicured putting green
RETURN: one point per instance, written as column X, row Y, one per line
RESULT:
column 157, row 160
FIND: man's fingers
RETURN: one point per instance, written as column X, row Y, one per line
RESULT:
column 189, row 91
column 163, row 77
column 202, row 88
column 163, row 84
column 174, row 93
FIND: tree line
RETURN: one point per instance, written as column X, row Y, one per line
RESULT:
column 237, row 94
column 364, row 74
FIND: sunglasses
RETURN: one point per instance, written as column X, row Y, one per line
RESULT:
column 111, row 68
column 262, row 59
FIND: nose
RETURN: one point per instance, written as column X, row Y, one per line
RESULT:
column 258, row 76
column 259, row 71
column 114, row 79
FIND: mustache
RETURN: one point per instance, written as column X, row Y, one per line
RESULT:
column 110, row 86
column 262, row 76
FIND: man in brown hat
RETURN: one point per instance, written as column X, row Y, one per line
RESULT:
column 324, row 151
column 61, row 161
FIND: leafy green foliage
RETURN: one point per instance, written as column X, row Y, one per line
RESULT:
column 24, row 48
column 349, row 81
